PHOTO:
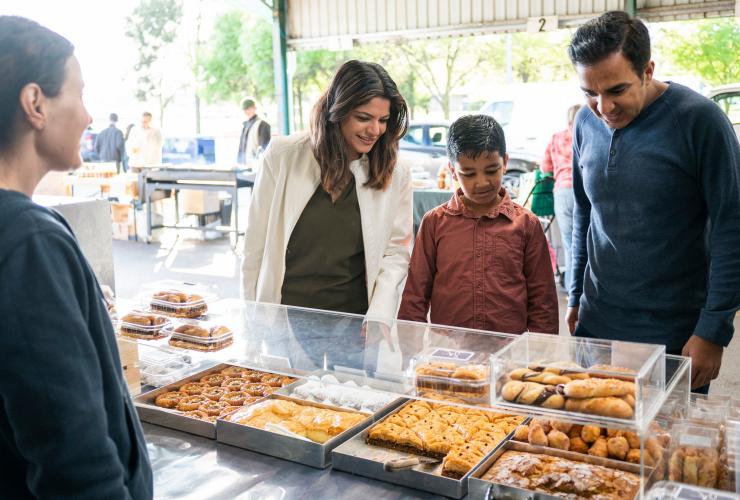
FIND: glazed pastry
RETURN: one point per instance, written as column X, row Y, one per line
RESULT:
column 599, row 448
column 610, row 433
column 590, row 433
column 144, row 319
column 193, row 330
column 273, row 380
column 436, row 369
column 213, row 408
column 578, row 445
column 537, row 436
column 541, row 422
column 570, row 369
column 527, row 375
column 235, row 371
column 193, row 388
column 234, row 384
column 522, row 433
column 617, row 447
column 532, row 393
column 606, row 407
column 257, row 389
column 564, row 427
column 561, row 477
column 575, row 431
column 471, row 372
column 195, row 346
column 633, row 456
column 214, row 393
column 632, row 438
column 169, row 399
column 178, row 303
column 213, row 380
column 234, row 398
column 598, row 388
column 252, row 376
column 558, row 439
column 191, row 403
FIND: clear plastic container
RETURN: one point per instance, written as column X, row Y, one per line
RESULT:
column 694, row 455
column 459, row 373
column 579, row 378
column 178, row 303
column 200, row 335
column 669, row 490
column 143, row 325
column 159, row 375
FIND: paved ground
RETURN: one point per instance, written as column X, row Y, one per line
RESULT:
column 214, row 263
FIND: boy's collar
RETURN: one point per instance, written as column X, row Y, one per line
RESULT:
column 456, row 207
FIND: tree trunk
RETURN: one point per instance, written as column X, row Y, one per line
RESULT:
column 197, row 114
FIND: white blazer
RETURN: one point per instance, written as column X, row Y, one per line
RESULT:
column 287, row 179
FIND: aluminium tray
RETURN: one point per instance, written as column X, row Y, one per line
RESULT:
column 480, row 489
column 357, row 457
column 149, row 412
column 286, row 447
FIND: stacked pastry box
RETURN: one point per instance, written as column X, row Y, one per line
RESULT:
column 180, row 316
column 595, row 434
column 433, row 441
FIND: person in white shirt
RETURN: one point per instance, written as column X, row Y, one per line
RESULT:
column 145, row 143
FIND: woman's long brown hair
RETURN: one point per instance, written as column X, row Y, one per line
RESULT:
column 355, row 84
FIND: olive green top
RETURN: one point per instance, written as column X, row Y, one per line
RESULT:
column 325, row 259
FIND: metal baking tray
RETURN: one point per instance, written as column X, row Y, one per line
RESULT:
column 289, row 448
column 149, row 412
column 479, row 489
column 358, row 457
column 382, row 386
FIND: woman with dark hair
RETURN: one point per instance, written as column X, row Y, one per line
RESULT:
column 68, row 428
column 330, row 218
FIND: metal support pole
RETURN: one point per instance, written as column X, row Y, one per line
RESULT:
column 630, row 7
column 279, row 51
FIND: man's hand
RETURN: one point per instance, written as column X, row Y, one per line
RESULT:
column 706, row 359
column 571, row 318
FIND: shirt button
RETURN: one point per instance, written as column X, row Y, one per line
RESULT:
column 613, row 152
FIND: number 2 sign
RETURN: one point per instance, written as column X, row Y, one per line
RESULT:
column 542, row 23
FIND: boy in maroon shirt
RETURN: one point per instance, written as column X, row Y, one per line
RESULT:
column 480, row 260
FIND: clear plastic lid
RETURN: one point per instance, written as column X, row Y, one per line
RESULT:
column 691, row 435
column 141, row 323
column 452, row 365
column 177, row 302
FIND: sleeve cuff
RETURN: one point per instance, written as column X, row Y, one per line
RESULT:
column 715, row 326
column 574, row 300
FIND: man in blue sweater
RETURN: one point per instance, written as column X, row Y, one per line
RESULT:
column 656, row 180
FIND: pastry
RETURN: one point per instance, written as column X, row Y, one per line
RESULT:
column 190, row 403
column 178, row 303
column 590, row 433
column 599, row 448
column 234, row 384
column 624, row 373
column 273, row 380
column 617, row 447
column 198, row 414
column 259, row 390
column 468, row 381
column 234, row 398
column 561, row 426
column 561, row 477
column 169, row 399
column 143, row 325
column 532, row 393
column 236, row 371
column 606, row 407
column 214, row 393
column 537, row 436
column 522, row 433
column 193, row 388
column 598, row 388
column 578, row 445
column 570, row 369
column 211, row 346
column 213, row 408
column 542, row 377
column 558, row 439
column 633, row 456
column 213, row 380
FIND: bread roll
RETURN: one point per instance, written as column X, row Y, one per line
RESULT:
column 561, row 426
column 537, row 436
column 617, row 447
column 598, row 388
column 578, row 445
column 606, row 407
column 633, row 456
column 590, row 433
column 521, row 433
column 558, row 439
column 633, row 439
column 599, row 448
column 575, row 431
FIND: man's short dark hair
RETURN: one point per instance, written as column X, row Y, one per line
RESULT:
column 611, row 32
column 474, row 135
column 247, row 103
column 113, row 117
column 147, row 114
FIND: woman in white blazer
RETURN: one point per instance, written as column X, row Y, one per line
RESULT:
column 330, row 221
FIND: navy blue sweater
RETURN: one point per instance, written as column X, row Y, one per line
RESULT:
column 68, row 428
column 656, row 227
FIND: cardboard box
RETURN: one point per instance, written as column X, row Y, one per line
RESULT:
column 125, row 187
column 121, row 212
column 129, row 353
column 123, row 231
column 199, row 202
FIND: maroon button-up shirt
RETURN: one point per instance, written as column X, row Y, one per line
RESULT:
column 490, row 272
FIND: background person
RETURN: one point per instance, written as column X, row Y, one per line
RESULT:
column 330, row 218
column 145, row 143
column 110, row 145
column 68, row 428
column 255, row 134
column 558, row 160
column 656, row 183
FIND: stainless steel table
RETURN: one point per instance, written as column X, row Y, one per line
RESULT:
column 190, row 467
column 194, row 177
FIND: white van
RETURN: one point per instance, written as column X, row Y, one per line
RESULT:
column 531, row 113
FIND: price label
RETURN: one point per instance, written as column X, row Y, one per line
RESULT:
column 452, row 354
column 542, row 23
column 695, row 441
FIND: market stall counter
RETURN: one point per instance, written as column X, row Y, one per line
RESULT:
column 442, row 410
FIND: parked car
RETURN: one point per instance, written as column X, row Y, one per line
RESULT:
column 424, row 149
column 87, row 146
column 200, row 150
column 727, row 98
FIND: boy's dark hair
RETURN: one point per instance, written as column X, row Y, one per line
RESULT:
column 611, row 32
column 29, row 53
column 473, row 135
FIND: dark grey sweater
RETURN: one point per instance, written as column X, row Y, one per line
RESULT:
column 656, row 227
column 68, row 428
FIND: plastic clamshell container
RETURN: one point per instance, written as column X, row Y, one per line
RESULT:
column 669, row 490
column 460, row 373
column 160, row 375
column 208, row 342
column 130, row 328
column 572, row 360
column 178, row 303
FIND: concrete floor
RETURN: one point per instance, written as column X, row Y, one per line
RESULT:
column 215, row 264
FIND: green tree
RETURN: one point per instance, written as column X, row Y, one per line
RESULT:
column 313, row 72
column 712, row 52
column 541, row 57
column 238, row 59
column 153, row 26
